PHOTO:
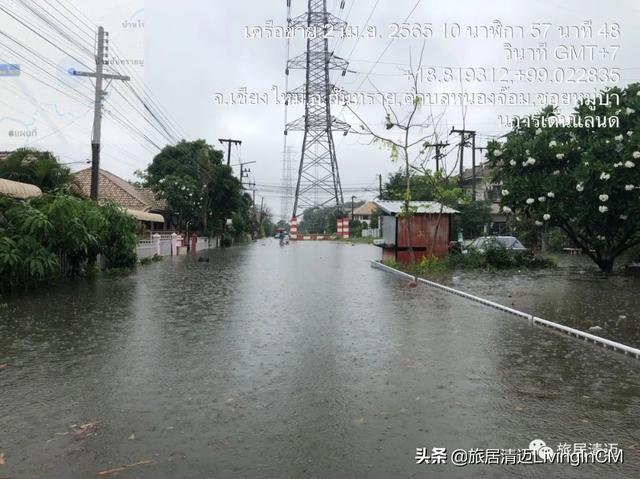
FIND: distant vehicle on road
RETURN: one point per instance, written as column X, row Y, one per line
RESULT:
column 509, row 242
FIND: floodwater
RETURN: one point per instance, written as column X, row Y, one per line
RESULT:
column 574, row 294
column 302, row 361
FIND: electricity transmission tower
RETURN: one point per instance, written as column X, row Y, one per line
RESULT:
column 318, row 182
column 287, row 184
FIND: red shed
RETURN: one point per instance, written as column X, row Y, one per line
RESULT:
column 424, row 223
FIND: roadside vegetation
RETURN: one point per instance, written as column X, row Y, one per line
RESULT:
column 495, row 257
column 59, row 235
column 582, row 181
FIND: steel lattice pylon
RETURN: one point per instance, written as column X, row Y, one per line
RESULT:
column 318, row 181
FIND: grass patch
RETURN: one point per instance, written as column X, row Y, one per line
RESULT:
column 493, row 259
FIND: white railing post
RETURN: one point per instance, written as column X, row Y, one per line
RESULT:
column 173, row 242
column 156, row 238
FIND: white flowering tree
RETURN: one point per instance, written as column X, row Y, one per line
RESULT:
column 585, row 181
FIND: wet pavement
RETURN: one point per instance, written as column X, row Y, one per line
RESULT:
column 301, row 361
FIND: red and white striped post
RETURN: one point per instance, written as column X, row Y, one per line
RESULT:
column 339, row 231
column 345, row 228
column 293, row 229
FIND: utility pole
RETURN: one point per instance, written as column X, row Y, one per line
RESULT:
column 380, row 185
column 100, row 76
column 473, row 164
column 261, row 210
column 229, row 142
column 352, row 207
column 463, row 141
column 439, row 155
column 244, row 172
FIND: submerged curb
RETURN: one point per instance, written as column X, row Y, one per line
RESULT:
column 606, row 343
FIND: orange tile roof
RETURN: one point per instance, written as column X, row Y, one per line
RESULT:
column 114, row 188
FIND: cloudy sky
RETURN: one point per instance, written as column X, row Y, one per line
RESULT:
column 194, row 49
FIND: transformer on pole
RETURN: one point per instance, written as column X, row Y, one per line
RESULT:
column 318, row 182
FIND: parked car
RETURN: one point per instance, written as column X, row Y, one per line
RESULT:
column 509, row 242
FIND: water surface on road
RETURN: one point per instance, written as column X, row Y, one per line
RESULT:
column 301, row 361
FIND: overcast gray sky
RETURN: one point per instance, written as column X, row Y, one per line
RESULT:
column 194, row 49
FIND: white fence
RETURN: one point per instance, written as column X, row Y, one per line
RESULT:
column 166, row 245
column 371, row 233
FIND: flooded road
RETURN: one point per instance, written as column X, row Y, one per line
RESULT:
column 293, row 362
column 574, row 294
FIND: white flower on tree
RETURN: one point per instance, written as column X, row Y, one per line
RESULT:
column 539, row 223
column 580, row 187
column 542, row 199
column 551, row 194
column 624, row 217
column 553, row 144
column 507, row 210
column 618, row 138
column 629, row 133
column 629, row 164
column 630, row 111
column 513, row 163
column 530, row 201
column 603, row 209
column 546, row 217
column 605, row 176
column 636, row 155
column 497, row 153
column 556, row 173
column 505, row 192
column 603, row 198
column 560, row 156
column 629, row 187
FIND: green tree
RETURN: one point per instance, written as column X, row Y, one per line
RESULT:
column 39, row 168
column 197, row 185
column 395, row 188
column 474, row 215
column 583, row 180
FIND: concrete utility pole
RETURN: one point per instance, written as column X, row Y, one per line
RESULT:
column 439, row 155
column 244, row 173
column 229, row 142
column 100, row 76
column 463, row 141
column 380, row 185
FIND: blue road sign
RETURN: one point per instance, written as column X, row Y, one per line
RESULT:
column 8, row 70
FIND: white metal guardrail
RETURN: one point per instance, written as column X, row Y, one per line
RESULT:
column 606, row 343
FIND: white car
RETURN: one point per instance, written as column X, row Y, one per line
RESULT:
column 509, row 242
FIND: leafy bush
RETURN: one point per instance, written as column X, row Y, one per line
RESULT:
column 119, row 238
column 36, row 234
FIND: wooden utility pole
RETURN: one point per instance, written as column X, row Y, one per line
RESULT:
column 100, row 76
column 229, row 143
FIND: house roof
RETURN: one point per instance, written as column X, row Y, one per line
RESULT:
column 422, row 207
column 144, row 216
column 365, row 210
column 15, row 189
column 482, row 172
column 114, row 188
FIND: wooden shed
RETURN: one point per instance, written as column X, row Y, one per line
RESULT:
column 424, row 223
